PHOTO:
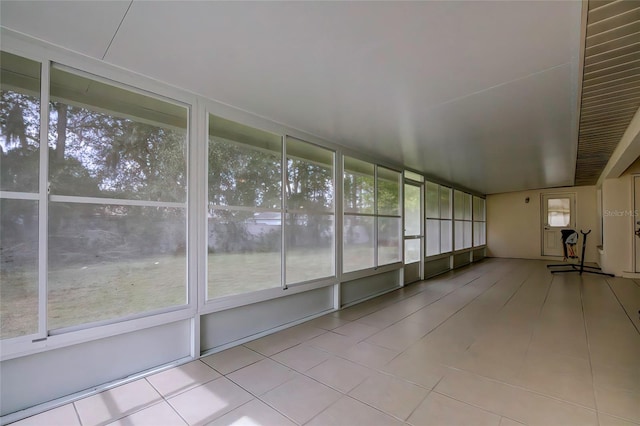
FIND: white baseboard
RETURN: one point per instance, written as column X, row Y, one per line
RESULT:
column 630, row 275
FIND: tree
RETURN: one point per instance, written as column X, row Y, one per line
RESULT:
column 241, row 175
column 309, row 188
column 128, row 159
column 19, row 141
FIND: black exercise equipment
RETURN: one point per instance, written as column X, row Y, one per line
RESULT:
column 582, row 268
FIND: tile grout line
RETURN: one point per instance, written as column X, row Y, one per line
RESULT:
column 470, row 404
column 524, row 280
column 537, row 322
column 447, row 294
column 432, row 390
column 524, row 389
column 346, row 394
column 284, row 383
column 166, row 399
column 406, row 316
column 518, row 386
column 454, row 276
column 621, row 305
column 258, row 397
column 355, row 399
column 504, row 273
column 586, row 332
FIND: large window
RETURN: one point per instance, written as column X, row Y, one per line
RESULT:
column 244, row 209
column 117, row 207
column 19, row 195
column 372, row 216
column 389, row 216
column 359, row 215
column 102, row 226
column 259, row 228
column 438, row 219
column 310, row 216
column 462, row 216
column 479, row 222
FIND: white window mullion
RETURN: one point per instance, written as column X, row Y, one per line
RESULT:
column 245, row 209
column 196, row 218
column 43, row 203
column 203, row 216
column 283, row 214
column 338, row 223
column 311, row 212
column 10, row 195
column 439, row 219
column 375, row 218
column 116, row 201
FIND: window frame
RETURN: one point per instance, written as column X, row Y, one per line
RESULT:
column 199, row 109
column 399, row 216
column 376, row 215
column 309, row 212
column 462, row 219
column 483, row 221
column 44, row 339
column 104, row 201
column 40, row 196
column 372, row 215
column 440, row 190
column 207, row 304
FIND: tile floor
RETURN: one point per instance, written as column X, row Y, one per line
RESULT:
column 502, row 342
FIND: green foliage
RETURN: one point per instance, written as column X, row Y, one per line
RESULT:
column 19, row 141
column 309, row 185
column 389, row 197
column 240, row 175
column 127, row 159
column 19, row 120
column 358, row 192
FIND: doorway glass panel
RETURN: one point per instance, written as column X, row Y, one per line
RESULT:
column 558, row 211
column 412, row 219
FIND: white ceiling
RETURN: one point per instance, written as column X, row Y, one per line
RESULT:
column 481, row 94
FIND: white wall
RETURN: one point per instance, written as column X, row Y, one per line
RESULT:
column 46, row 376
column 514, row 227
column 618, row 222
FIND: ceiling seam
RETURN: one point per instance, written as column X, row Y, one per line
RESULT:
column 117, row 29
column 436, row 106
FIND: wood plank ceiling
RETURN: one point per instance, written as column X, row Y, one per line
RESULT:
column 611, row 83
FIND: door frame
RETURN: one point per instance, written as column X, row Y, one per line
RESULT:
column 574, row 210
column 420, row 238
column 633, row 214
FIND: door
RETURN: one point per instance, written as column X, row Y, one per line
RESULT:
column 636, row 220
column 558, row 213
column 413, row 233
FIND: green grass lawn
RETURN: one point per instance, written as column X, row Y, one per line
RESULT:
column 80, row 294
